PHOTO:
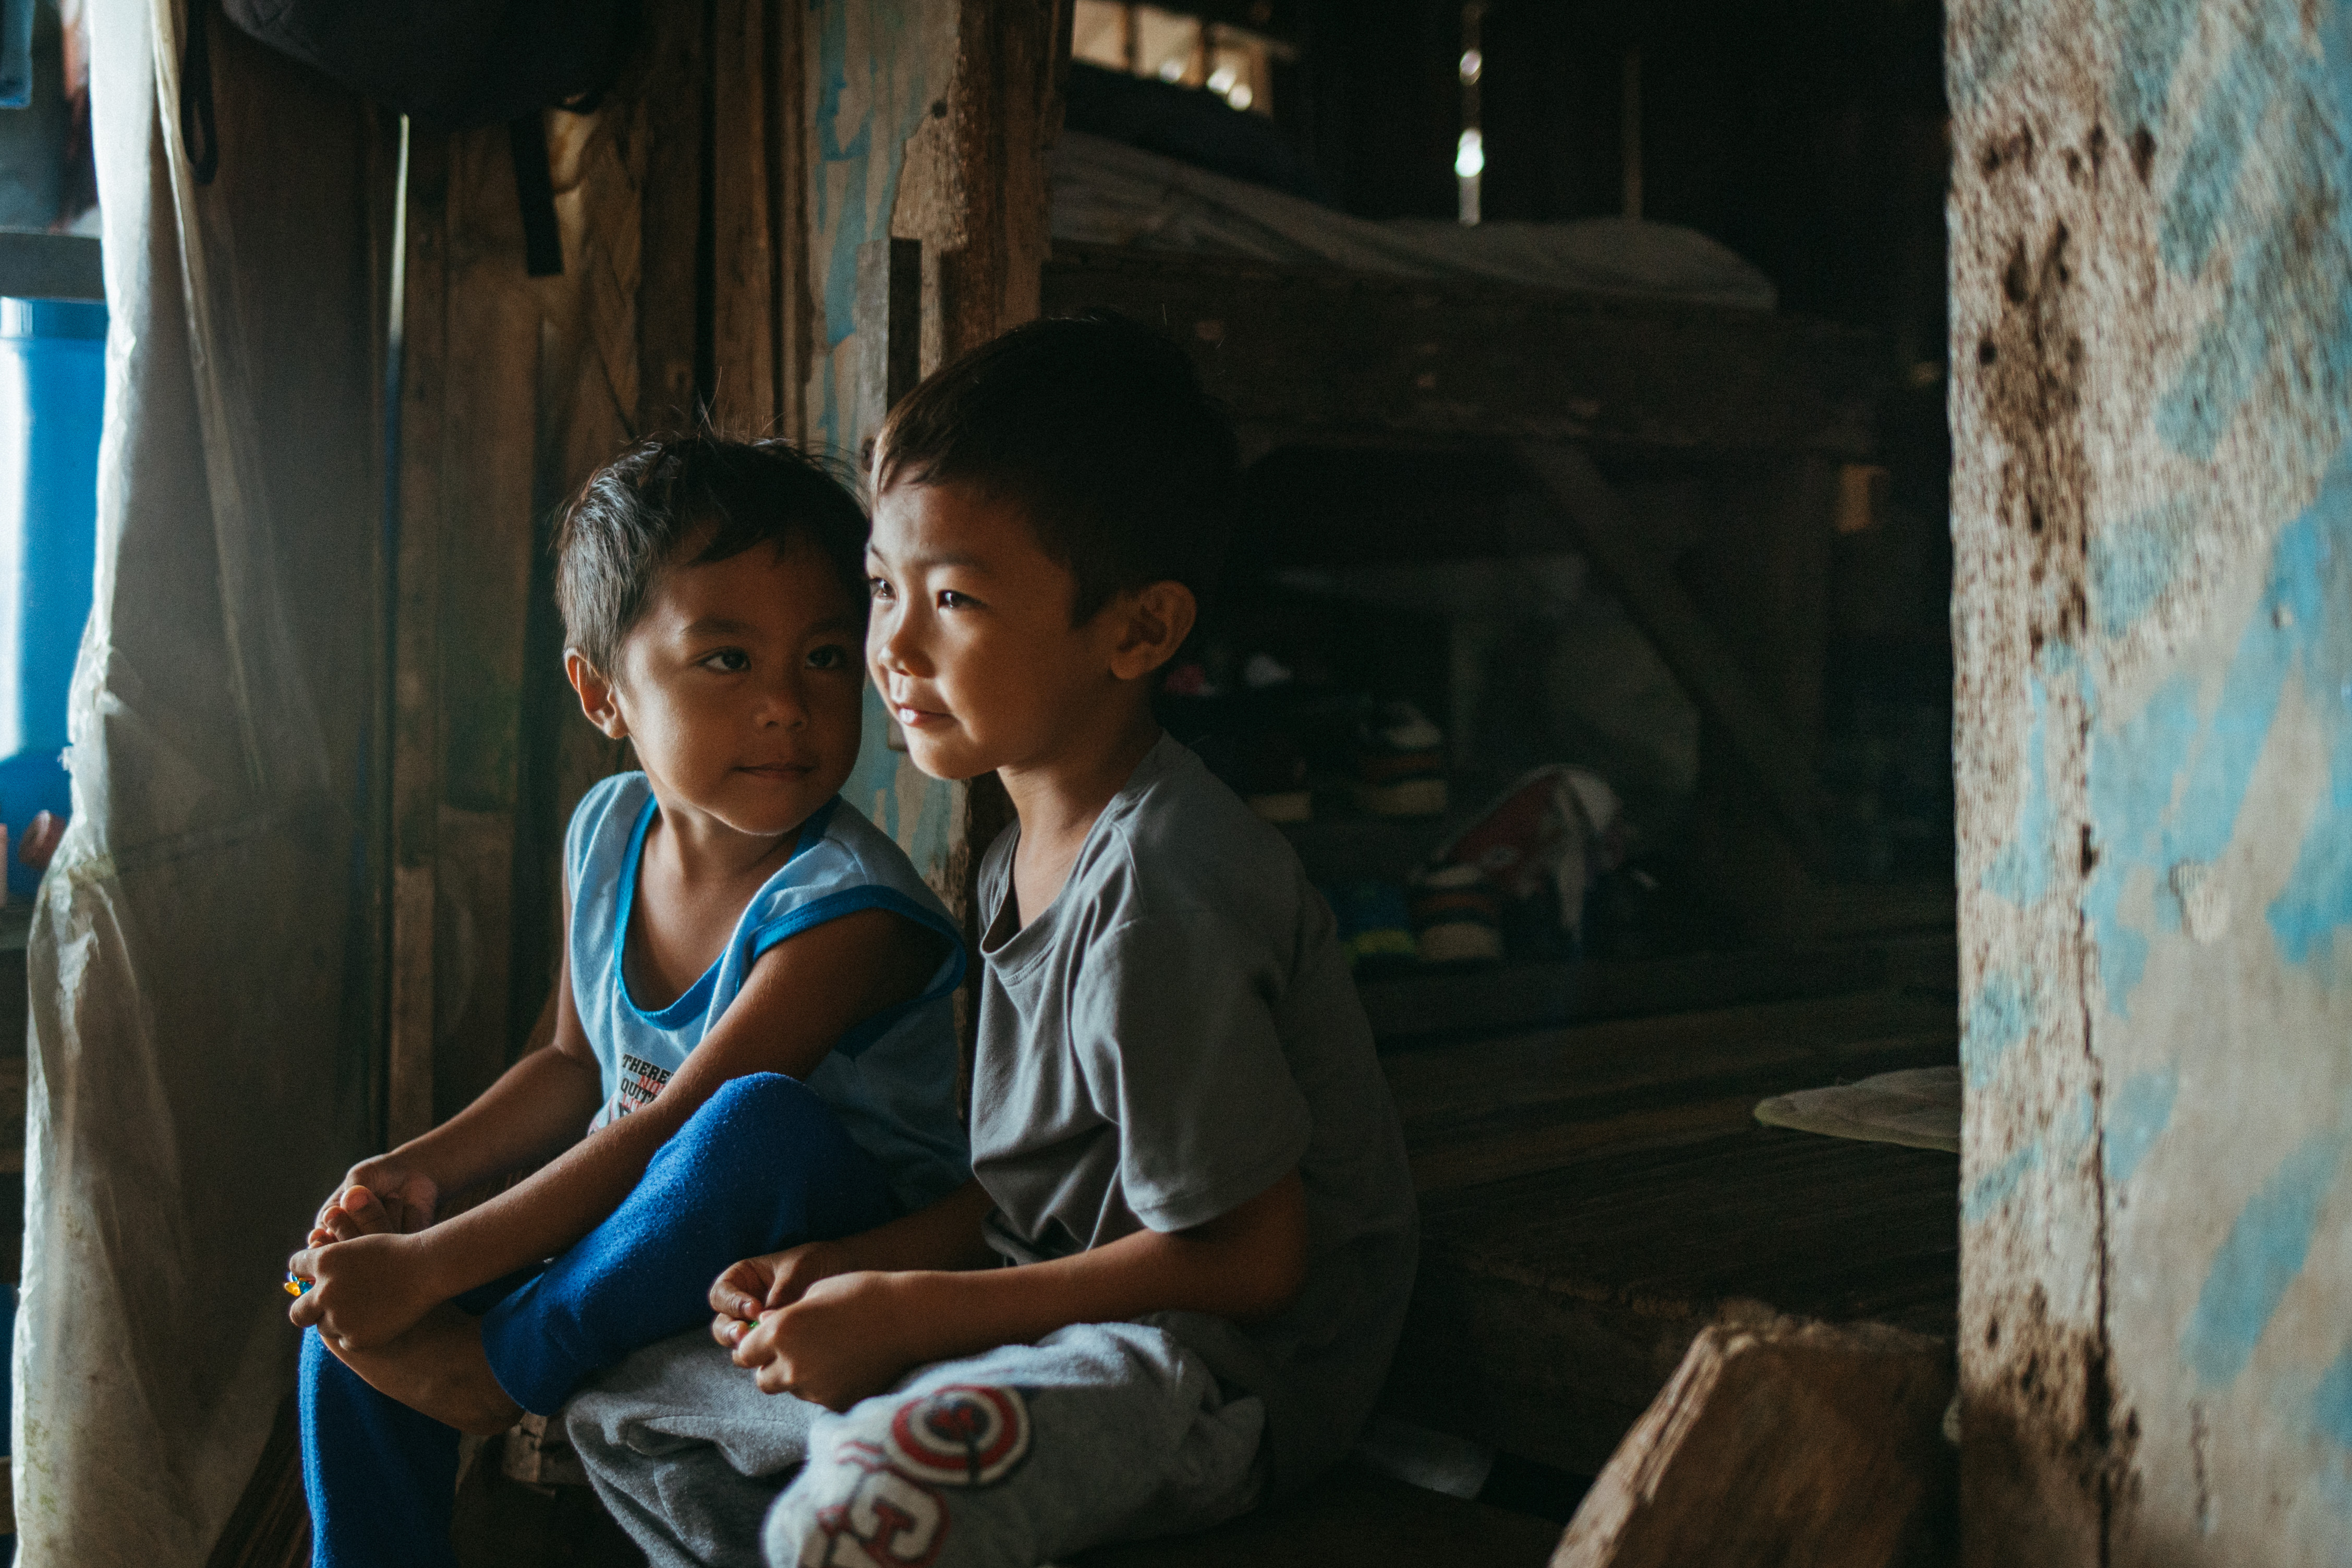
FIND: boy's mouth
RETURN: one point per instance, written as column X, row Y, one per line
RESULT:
column 776, row 769
column 916, row 717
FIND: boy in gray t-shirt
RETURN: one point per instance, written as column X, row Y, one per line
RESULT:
column 1182, row 1143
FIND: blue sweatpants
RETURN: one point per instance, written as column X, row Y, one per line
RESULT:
column 762, row 1166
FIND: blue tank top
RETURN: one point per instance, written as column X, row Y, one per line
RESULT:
column 891, row 1079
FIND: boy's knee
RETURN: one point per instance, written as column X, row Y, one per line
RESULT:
column 754, row 1106
column 890, row 1478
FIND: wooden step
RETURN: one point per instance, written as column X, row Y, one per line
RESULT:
column 1593, row 1197
column 1355, row 1518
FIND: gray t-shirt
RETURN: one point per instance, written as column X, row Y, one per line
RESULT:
column 1166, row 1039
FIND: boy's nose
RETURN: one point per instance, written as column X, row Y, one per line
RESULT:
column 898, row 651
column 782, row 707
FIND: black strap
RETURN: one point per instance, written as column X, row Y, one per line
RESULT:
column 197, row 134
column 543, row 242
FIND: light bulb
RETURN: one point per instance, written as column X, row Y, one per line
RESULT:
column 1470, row 155
column 1473, row 63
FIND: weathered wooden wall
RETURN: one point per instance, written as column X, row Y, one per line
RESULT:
column 2152, row 355
column 713, row 210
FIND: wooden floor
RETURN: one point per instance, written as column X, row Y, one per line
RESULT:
column 1592, row 1196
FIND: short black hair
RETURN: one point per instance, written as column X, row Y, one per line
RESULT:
column 640, row 510
column 1099, row 429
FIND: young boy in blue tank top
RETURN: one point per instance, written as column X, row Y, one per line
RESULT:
column 753, row 1027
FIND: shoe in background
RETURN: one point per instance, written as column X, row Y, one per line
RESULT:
column 1401, row 764
column 1457, row 915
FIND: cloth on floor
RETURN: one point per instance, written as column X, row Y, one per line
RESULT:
column 1920, row 1108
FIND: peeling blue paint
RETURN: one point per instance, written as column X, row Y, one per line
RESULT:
column 2000, row 1016
column 2020, row 873
column 1985, row 1195
column 2168, row 785
column 2232, row 107
column 2312, row 584
column 2153, row 34
column 2292, row 104
column 2138, row 1112
column 2135, row 560
column 2316, row 902
column 2258, row 1260
column 2331, row 1401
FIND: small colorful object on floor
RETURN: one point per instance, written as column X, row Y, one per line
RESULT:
column 1375, row 926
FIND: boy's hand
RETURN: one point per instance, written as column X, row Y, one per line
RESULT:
column 840, row 1343
column 364, row 1291
column 776, row 1280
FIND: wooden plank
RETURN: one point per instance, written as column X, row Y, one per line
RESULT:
column 1551, row 1308
column 1777, row 1443
column 1351, row 1517
column 1306, row 356
column 489, row 450
column 673, row 292
column 1443, row 1001
column 49, row 266
column 889, row 327
column 1607, row 532
column 743, row 263
column 1474, row 1103
column 415, row 720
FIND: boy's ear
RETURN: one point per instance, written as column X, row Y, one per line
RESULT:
column 597, row 698
column 1155, row 621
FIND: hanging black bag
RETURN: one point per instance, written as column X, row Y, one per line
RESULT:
column 448, row 64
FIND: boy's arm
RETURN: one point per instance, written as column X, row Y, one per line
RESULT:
column 537, row 1108
column 853, row 1334
column 800, row 998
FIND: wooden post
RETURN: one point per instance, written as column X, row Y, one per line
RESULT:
column 416, row 730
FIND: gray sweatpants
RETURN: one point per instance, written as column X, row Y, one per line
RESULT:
column 1099, row 1432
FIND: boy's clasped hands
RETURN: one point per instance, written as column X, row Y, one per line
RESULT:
column 365, row 1283
column 807, row 1321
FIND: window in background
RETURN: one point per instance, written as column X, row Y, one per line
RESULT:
column 1234, row 63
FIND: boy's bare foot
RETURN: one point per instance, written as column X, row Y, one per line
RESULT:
column 356, row 1213
column 438, row 1368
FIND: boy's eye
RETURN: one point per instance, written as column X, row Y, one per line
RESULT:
column 733, row 661
column 878, row 587
column 951, row 599
column 832, row 656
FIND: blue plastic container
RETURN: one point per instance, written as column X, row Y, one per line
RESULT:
column 52, row 402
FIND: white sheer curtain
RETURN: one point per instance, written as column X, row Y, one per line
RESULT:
column 200, row 1056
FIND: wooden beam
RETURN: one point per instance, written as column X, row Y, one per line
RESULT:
column 889, row 327
column 1776, row 1443
column 1604, row 528
column 1306, row 356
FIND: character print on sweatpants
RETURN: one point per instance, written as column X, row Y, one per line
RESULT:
column 885, row 1508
